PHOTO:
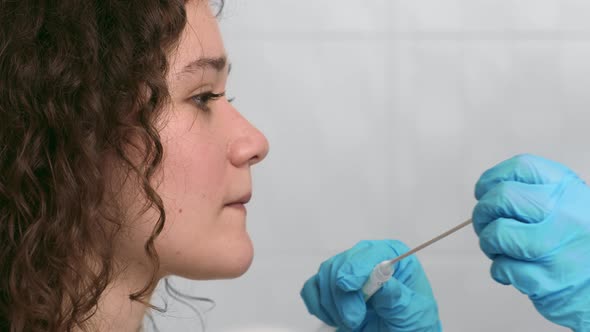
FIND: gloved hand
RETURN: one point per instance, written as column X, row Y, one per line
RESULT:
column 533, row 221
column 404, row 303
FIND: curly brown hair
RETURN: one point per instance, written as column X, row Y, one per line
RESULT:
column 79, row 81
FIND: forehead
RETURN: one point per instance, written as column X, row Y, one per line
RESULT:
column 200, row 38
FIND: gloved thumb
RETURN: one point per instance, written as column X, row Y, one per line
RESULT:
column 391, row 299
column 403, row 310
column 354, row 272
column 530, row 278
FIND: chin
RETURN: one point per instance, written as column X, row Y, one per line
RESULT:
column 240, row 262
column 227, row 263
column 226, row 256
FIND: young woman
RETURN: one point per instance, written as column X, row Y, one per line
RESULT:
column 121, row 160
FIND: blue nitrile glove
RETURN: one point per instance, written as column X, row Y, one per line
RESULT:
column 533, row 221
column 404, row 303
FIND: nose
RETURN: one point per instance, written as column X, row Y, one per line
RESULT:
column 248, row 148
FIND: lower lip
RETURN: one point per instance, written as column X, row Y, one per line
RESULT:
column 237, row 206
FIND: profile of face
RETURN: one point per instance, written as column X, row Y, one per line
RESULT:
column 204, row 179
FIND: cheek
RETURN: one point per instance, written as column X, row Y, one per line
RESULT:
column 192, row 183
column 193, row 174
column 192, row 187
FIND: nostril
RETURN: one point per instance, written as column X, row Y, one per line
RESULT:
column 255, row 160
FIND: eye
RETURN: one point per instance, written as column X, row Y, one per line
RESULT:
column 202, row 100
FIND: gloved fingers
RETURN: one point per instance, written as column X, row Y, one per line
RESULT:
column 372, row 322
column 333, row 294
column 350, row 307
column 402, row 309
column 391, row 299
column 362, row 258
column 514, row 200
column 353, row 272
column 523, row 168
column 529, row 278
column 409, row 272
column 332, row 305
column 385, row 326
column 311, row 294
column 514, row 239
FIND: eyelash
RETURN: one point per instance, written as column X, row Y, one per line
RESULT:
column 202, row 100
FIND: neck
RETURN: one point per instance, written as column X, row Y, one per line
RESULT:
column 116, row 311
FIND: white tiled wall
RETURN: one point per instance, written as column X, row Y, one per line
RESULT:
column 381, row 116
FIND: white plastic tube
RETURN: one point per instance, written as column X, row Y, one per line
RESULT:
column 380, row 275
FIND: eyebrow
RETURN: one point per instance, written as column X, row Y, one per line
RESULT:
column 217, row 63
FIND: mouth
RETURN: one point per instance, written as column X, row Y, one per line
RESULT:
column 244, row 199
column 240, row 202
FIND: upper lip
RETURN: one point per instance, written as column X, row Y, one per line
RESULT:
column 244, row 199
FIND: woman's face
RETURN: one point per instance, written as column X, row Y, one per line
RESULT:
column 205, row 177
